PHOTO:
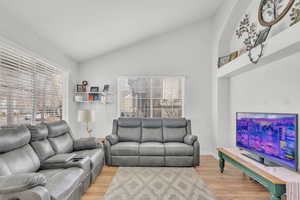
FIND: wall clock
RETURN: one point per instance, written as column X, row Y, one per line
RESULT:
column 272, row 11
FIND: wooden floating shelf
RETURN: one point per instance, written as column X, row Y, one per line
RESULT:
column 278, row 47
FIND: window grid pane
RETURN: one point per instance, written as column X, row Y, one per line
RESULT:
column 151, row 97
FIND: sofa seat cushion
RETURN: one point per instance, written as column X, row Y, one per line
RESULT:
column 125, row 149
column 96, row 156
column 152, row 149
column 178, row 149
column 62, row 182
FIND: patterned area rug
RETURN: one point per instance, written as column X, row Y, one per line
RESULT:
column 147, row 183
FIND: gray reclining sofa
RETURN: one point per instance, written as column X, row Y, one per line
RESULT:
column 44, row 162
column 152, row 142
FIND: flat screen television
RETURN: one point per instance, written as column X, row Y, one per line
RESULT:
column 273, row 137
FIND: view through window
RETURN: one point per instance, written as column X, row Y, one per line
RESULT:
column 151, row 97
column 31, row 89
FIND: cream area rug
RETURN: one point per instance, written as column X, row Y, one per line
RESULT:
column 147, row 183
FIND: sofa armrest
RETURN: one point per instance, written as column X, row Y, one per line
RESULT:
column 113, row 139
column 107, row 151
column 75, row 161
column 36, row 193
column 86, row 143
column 190, row 139
column 196, row 156
column 60, row 158
column 21, row 182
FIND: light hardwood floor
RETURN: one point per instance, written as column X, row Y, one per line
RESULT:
column 232, row 185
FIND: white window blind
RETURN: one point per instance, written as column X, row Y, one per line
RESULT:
column 31, row 90
column 151, row 97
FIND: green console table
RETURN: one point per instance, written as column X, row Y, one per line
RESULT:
column 276, row 186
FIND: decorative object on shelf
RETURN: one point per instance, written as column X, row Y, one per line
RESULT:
column 262, row 37
column 84, row 94
column 256, row 52
column 249, row 30
column 254, row 34
column 106, row 88
column 272, row 11
column 91, row 97
column 81, row 88
column 96, row 97
column 234, row 55
column 242, row 51
column 85, row 83
column 86, row 116
column 94, row 89
column 223, row 61
column 78, row 98
column 295, row 13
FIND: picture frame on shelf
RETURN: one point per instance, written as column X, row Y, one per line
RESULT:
column 80, row 88
column 262, row 36
column 223, row 61
column 233, row 55
column 94, row 89
column 106, row 88
column 295, row 16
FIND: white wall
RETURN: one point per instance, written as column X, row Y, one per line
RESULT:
column 183, row 52
column 21, row 36
column 272, row 88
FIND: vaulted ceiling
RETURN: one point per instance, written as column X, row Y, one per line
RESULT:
column 84, row 29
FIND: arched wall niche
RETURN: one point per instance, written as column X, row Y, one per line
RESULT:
column 226, row 20
column 229, row 26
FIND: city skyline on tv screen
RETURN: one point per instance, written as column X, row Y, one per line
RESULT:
column 273, row 136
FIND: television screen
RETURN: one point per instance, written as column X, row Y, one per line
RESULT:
column 272, row 136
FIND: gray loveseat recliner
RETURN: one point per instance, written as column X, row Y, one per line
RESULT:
column 44, row 162
column 152, row 142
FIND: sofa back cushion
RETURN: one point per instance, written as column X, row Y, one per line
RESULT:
column 17, row 156
column 129, row 129
column 43, row 149
column 40, row 142
column 13, row 138
column 59, row 135
column 57, row 128
column 152, row 130
column 174, row 130
column 38, row 132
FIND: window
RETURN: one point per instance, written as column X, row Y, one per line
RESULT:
column 151, row 97
column 31, row 90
